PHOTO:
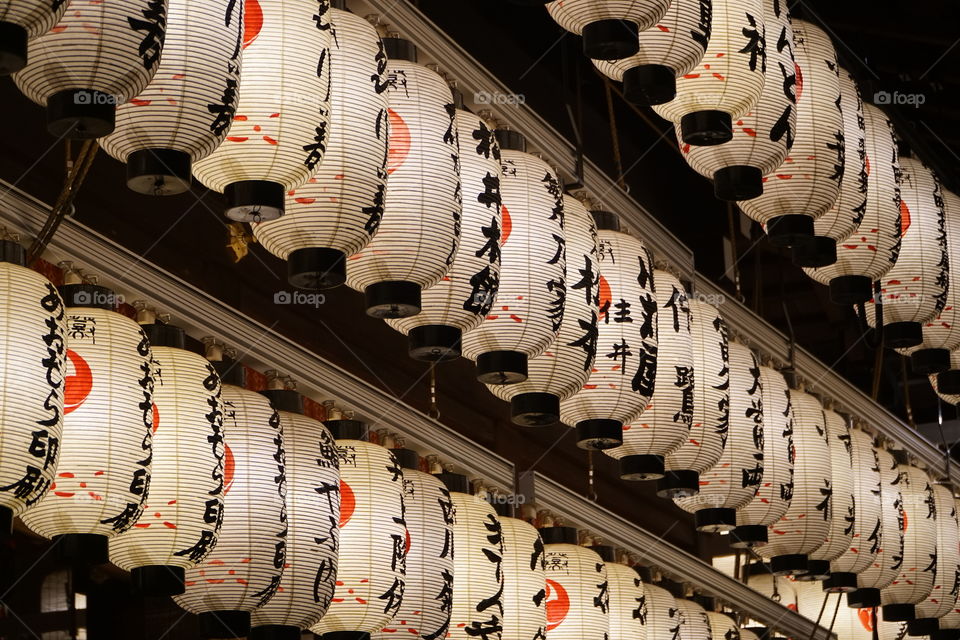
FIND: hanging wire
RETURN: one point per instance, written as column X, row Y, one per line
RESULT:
column 614, row 133
column 906, row 392
column 823, row 607
column 591, row 485
column 947, row 458
column 836, row 611
column 735, row 267
column 434, row 411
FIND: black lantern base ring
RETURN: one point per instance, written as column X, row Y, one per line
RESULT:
column 821, row 251
column 840, row 582
column 706, row 128
column 315, row 268
column 816, row 570
column 13, row 48
column 610, row 39
column 790, row 230
column 224, row 624
column 948, row 382
column 715, row 520
column 275, row 632
column 649, row 84
column 929, row 361
column 434, row 343
column 599, row 434
column 737, row 182
column 6, row 522
column 641, row 468
column 158, row 580
column 681, row 483
column 254, row 200
column 502, row 367
column 82, row 549
column 81, row 114
column 899, row 612
column 863, row 598
column 748, row 536
column 392, row 299
column 849, row 290
column 346, row 429
column 923, row 626
column 159, row 172
column 535, row 409
column 789, row 564
column 902, row 335
column 946, row 634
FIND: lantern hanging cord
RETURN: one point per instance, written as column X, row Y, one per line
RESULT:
column 734, row 267
column 836, row 611
column 943, row 439
column 434, row 411
column 906, row 392
column 614, row 134
column 823, row 607
column 591, row 486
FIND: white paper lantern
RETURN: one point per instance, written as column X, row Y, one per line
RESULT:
column 280, row 130
column 622, row 381
column 694, row 623
column 104, row 470
column 337, row 211
column 728, row 81
column 943, row 596
column 186, row 111
column 528, row 312
column 949, row 626
column 609, row 27
column 723, row 626
column 524, row 581
column 895, row 631
column 563, row 369
column 776, row 491
column 663, row 618
column 667, row 51
column 20, row 21
column 734, row 480
column 313, row 499
column 871, row 251
column 243, row 571
column 762, row 138
column 577, row 597
column 371, row 571
column 711, row 405
column 184, row 510
column 461, row 300
column 99, row 55
column 628, row 605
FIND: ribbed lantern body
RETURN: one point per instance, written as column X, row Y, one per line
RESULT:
column 577, row 598
column 895, row 631
column 563, row 369
column 733, row 482
column 808, row 181
column 313, row 533
column 428, row 591
column 33, row 370
column 532, row 288
column 663, row 618
column 36, row 17
column 694, row 624
column 372, row 554
column 184, row 511
column 622, row 380
column 279, row 135
column 478, row 578
column 943, row 596
column 244, row 569
column 465, row 295
column 574, row 15
column 628, row 607
column 842, row 502
column 889, row 538
column 190, row 104
column 865, row 538
column 104, row 469
column 951, row 620
column 711, row 392
column 420, row 230
column 340, row 206
column 917, row 570
column 524, row 581
column 723, row 626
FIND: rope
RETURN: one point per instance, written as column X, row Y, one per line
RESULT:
column 614, row 134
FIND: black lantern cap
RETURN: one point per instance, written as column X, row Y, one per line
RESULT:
column 81, row 114
column 641, row 467
column 159, row 172
column 165, row 335
column 158, row 580
column 288, row 400
column 502, row 367
column 502, row 508
column 407, row 458
column 715, row 520
column 254, row 200
column 649, row 84
column 535, row 409
column 13, row 48
column 863, row 598
column 848, row 290
column 454, row 482
column 929, row 361
column 790, row 230
column 82, row 549
column 820, row 251
column 737, row 182
column 816, row 570
column 680, row 483
column 948, row 382
column 434, row 342
column 224, row 624
column 275, row 632
column 88, row 295
column 599, row 434
column 314, row 268
column 605, row 220
column 605, row 551
column 230, row 371
column 399, row 49
column 706, row 128
column 10, row 250
column 789, row 564
column 510, row 140
column 748, row 536
column 610, row 39
column 392, row 299
column 346, row 429
column 840, row 582
column 902, row 335
column 559, row 535
column 899, row 612
column 6, row 522
column 923, row 626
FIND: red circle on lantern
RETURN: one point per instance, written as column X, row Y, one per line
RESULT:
column 399, row 142
column 156, row 418
column 252, row 22
column 557, row 603
column 606, row 297
column 796, row 69
column 77, row 387
column 348, row 503
column 866, row 618
column 506, row 224
column 905, row 218
column 229, row 467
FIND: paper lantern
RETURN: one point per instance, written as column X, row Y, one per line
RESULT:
column 663, row 617
column 723, row 626
column 184, row 510
column 711, row 405
column 280, row 129
column 609, row 27
column 461, row 300
column 104, row 469
column 337, row 211
column 371, row 572
column 947, row 384
column 313, row 503
column 628, row 606
column 734, row 480
column 694, row 624
column 871, row 251
column 762, row 138
column 99, row 55
column 728, row 81
column 665, row 424
column 244, row 569
column 949, row 627
column 32, row 370
column 530, row 299
column 892, row 631
column 186, row 111
column 621, row 382
column 943, row 596
column 524, row 581
column 914, row 291
column 865, row 538
column 748, row 634
column 776, row 491
column 20, row 21
column 563, row 369
column 844, row 217
column 577, row 596
column 667, row 51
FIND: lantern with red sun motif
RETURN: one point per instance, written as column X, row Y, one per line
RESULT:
column 609, row 27
column 577, row 597
column 524, row 580
column 21, row 21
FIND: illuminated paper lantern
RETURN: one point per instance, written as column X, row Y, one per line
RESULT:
column 99, row 55
column 622, row 380
column 943, row 596
column 723, row 626
column 524, row 581
column 313, row 500
column 33, row 369
column 733, row 482
column 20, row 21
column 371, row 571
column 665, row 424
column 711, row 405
column 526, row 318
column 243, row 570
column 949, row 627
column 747, row 634
column 187, row 109
column 184, row 510
column 776, row 491
column 105, row 452
column 694, row 624
column 419, row 232
column 577, row 598
column 280, row 129
column 663, row 618
column 871, row 251
column 337, row 211
column 563, row 368
column 609, row 27
column 628, row 605
column 762, row 138
column 727, row 82
column 667, row 51
column 461, row 300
